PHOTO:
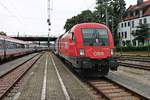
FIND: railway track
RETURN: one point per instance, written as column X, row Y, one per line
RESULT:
column 111, row 90
column 135, row 66
column 138, row 59
column 135, row 59
column 107, row 89
column 12, row 77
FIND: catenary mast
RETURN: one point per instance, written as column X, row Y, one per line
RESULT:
column 48, row 19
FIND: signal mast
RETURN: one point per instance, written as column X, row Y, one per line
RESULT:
column 48, row 19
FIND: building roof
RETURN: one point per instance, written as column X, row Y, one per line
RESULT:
column 147, row 11
column 7, row 38
column 135, row 7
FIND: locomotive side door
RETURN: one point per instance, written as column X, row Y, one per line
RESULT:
column 72, row 45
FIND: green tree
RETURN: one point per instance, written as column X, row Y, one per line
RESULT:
column 118, row 11
column 115, row 10
column 85, row 16
column 142, row 32
column 100, row 12
column 70, row 22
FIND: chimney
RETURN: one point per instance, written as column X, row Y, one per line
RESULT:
column 139, row 2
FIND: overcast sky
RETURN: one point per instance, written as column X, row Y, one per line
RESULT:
column 28, row 17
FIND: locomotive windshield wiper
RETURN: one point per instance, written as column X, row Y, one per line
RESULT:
column 92, row 39
column 91, row 44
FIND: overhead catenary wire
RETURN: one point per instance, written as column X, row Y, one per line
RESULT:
column 12, row 4
column 10, row 12
column 16, row 14
column 91, row 5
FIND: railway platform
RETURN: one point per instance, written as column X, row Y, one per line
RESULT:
column 50, row 79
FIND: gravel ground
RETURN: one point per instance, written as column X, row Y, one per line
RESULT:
column 135, row 79
column 139, row 75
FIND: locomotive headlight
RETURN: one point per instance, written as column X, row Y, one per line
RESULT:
column 111, row 51
column 82, row 52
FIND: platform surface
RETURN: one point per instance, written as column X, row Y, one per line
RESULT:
column 33, row 90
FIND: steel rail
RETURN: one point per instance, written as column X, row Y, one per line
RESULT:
column 108, row 89
column 17, row 66
column 28, row 64
column 135, row 66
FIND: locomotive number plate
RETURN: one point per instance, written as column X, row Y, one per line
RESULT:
column 98, row 53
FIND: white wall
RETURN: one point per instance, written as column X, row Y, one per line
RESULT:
column 129, row 29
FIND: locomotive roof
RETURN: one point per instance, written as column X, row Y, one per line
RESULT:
column 7, row 38
column 88, row 25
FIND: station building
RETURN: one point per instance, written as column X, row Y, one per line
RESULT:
column 135, row 15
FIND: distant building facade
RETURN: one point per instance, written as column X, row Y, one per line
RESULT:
column 135, row 15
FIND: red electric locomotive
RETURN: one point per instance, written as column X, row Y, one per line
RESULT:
column 89, row 47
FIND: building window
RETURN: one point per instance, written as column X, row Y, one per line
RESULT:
column 119, row 35
column 133, row 32
column 132, row 24
column 125, row 24
column 122, row 35
column 123, row 43
column 131, row 14
column 137, row 13
column 125, row 34
column 145, row 20
column 128, row 23
column 122, row 25
column 140, row 21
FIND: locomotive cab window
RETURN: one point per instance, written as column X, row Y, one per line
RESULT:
column 73, row 37
column 95, row 37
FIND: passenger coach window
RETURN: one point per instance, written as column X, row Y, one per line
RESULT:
column 1, row 44
column 95, row 37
